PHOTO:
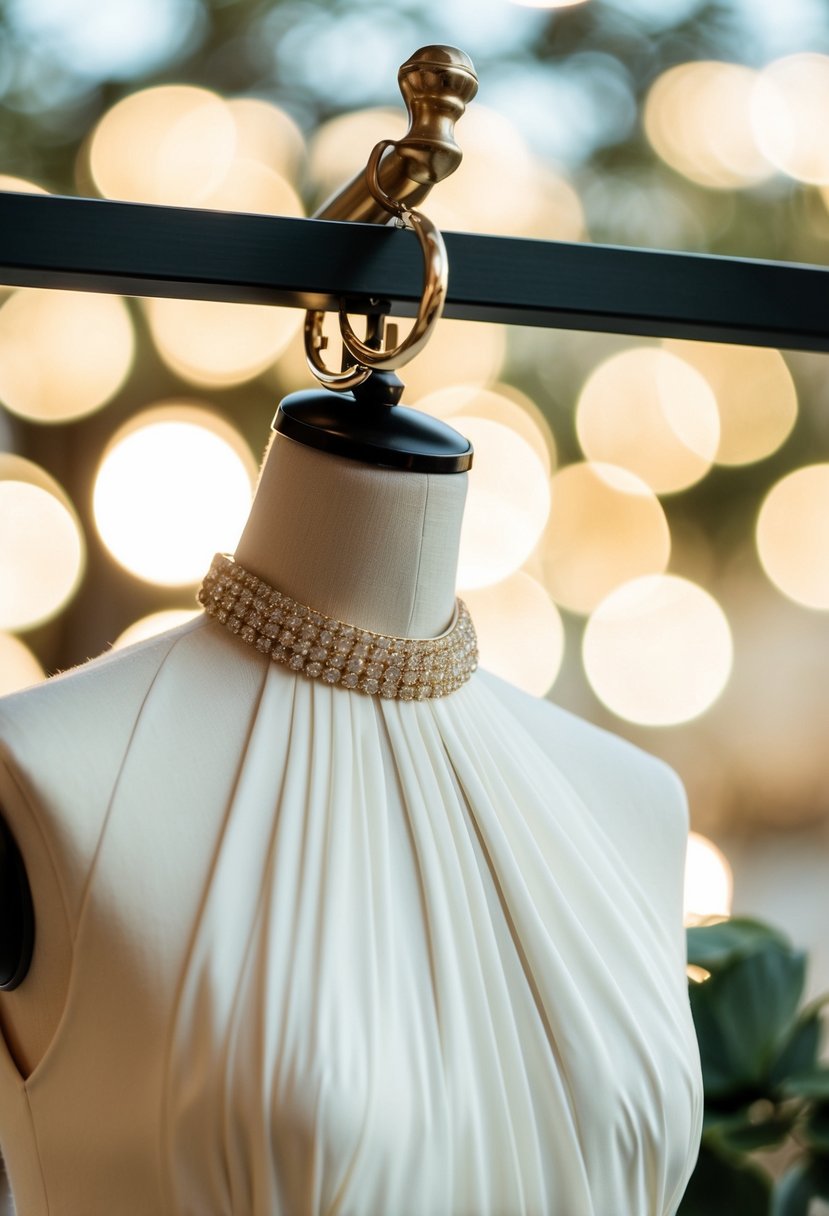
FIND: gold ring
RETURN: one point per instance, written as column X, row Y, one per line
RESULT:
column 436, row 274
column 365, row 358
column 351, row 375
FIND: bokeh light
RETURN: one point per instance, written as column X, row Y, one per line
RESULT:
column 755, row 395
column 500, row 188
column 340, row 147
column 18, row 666
column 793, row 535
column 42, row 549
column 192, row 148
column 557, row 213
column 154, row 624
column 20, row 185
column 658, row 650
column 63, row 354
column 789, row 101
column 652, row 413
column 698, row 119
column 215, row 343
column 507, row 505
column 168, row 144
column 501, row 403
column 709, row 884
column 459, row 352
column 520, row 633
column 267, row 136
column 250, row 186
column 606, row 527
column 173, row 487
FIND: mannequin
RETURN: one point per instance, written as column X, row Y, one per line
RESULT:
column 380, row 548
column 115, row 782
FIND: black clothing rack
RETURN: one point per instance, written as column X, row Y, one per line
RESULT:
column 137, row 249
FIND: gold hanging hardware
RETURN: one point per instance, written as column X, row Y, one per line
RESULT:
column 436, row 83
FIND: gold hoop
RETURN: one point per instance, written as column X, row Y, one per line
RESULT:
column 315, row 342
column 365, row 358
column 436, row 275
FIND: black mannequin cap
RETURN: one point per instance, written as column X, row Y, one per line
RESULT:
column 368, row 425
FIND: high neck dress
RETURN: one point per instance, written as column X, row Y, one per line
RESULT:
column 341, row 956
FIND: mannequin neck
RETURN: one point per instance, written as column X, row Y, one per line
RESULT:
column 371, row 546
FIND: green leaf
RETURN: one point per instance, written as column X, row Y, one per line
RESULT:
column 723, row 1188
column 800, row 1053
column 816, row 1126
column 812, row 1084
column 742, row 1015
column 716, row 946
column 757, row 1125
column 750, row 1136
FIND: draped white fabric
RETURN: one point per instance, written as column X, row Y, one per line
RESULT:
column 341, row 956
column 424, row 982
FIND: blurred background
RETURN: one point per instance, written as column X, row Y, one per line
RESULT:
column 647, row 535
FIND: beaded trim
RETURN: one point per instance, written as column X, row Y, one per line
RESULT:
column 406, row 669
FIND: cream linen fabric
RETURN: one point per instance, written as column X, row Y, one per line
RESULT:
column 335, row 954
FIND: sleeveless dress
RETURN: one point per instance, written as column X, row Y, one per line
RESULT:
column 341, row 956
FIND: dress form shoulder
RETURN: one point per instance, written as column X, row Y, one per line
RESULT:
column 636, row 798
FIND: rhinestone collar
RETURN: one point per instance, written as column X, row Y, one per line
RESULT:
column 315, row 645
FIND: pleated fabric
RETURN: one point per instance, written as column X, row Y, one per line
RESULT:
column 421, row 983
column 393, row 967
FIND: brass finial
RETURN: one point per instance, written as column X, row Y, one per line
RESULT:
column 437, row 82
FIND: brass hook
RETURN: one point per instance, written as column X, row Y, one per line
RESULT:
column 436, row 83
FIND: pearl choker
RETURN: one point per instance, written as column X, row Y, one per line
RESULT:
column 407, row 669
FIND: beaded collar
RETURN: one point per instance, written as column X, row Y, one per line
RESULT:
column 315, row 645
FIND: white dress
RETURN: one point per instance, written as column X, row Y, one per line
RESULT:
column 341, row 955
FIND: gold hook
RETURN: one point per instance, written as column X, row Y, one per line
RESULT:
column 436, row 82
column 436, row 275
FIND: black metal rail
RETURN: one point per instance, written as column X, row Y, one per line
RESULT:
column 136, row 249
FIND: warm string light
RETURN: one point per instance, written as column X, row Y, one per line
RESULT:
column 520, row 633
column 787, row 107
column 18, row 666
column 709, row 885
column 201, row 473
column 754, row 393
column 42, row 550
column 658, row 650
column 792, row 535
column 63, row 354
column 507, row 504
column 605, row 528
column 698, row 118
column 651, row 413
column 459, row 352
column 217, row 344
column 499, row 403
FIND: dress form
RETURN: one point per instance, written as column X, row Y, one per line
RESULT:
column 116, row 782
column 360, row 543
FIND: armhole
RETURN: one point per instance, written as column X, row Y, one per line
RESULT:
column 17, row 920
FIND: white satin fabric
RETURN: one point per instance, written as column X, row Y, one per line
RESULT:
column 404, row 967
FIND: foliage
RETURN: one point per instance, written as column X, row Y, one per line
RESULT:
column 764, row 1085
